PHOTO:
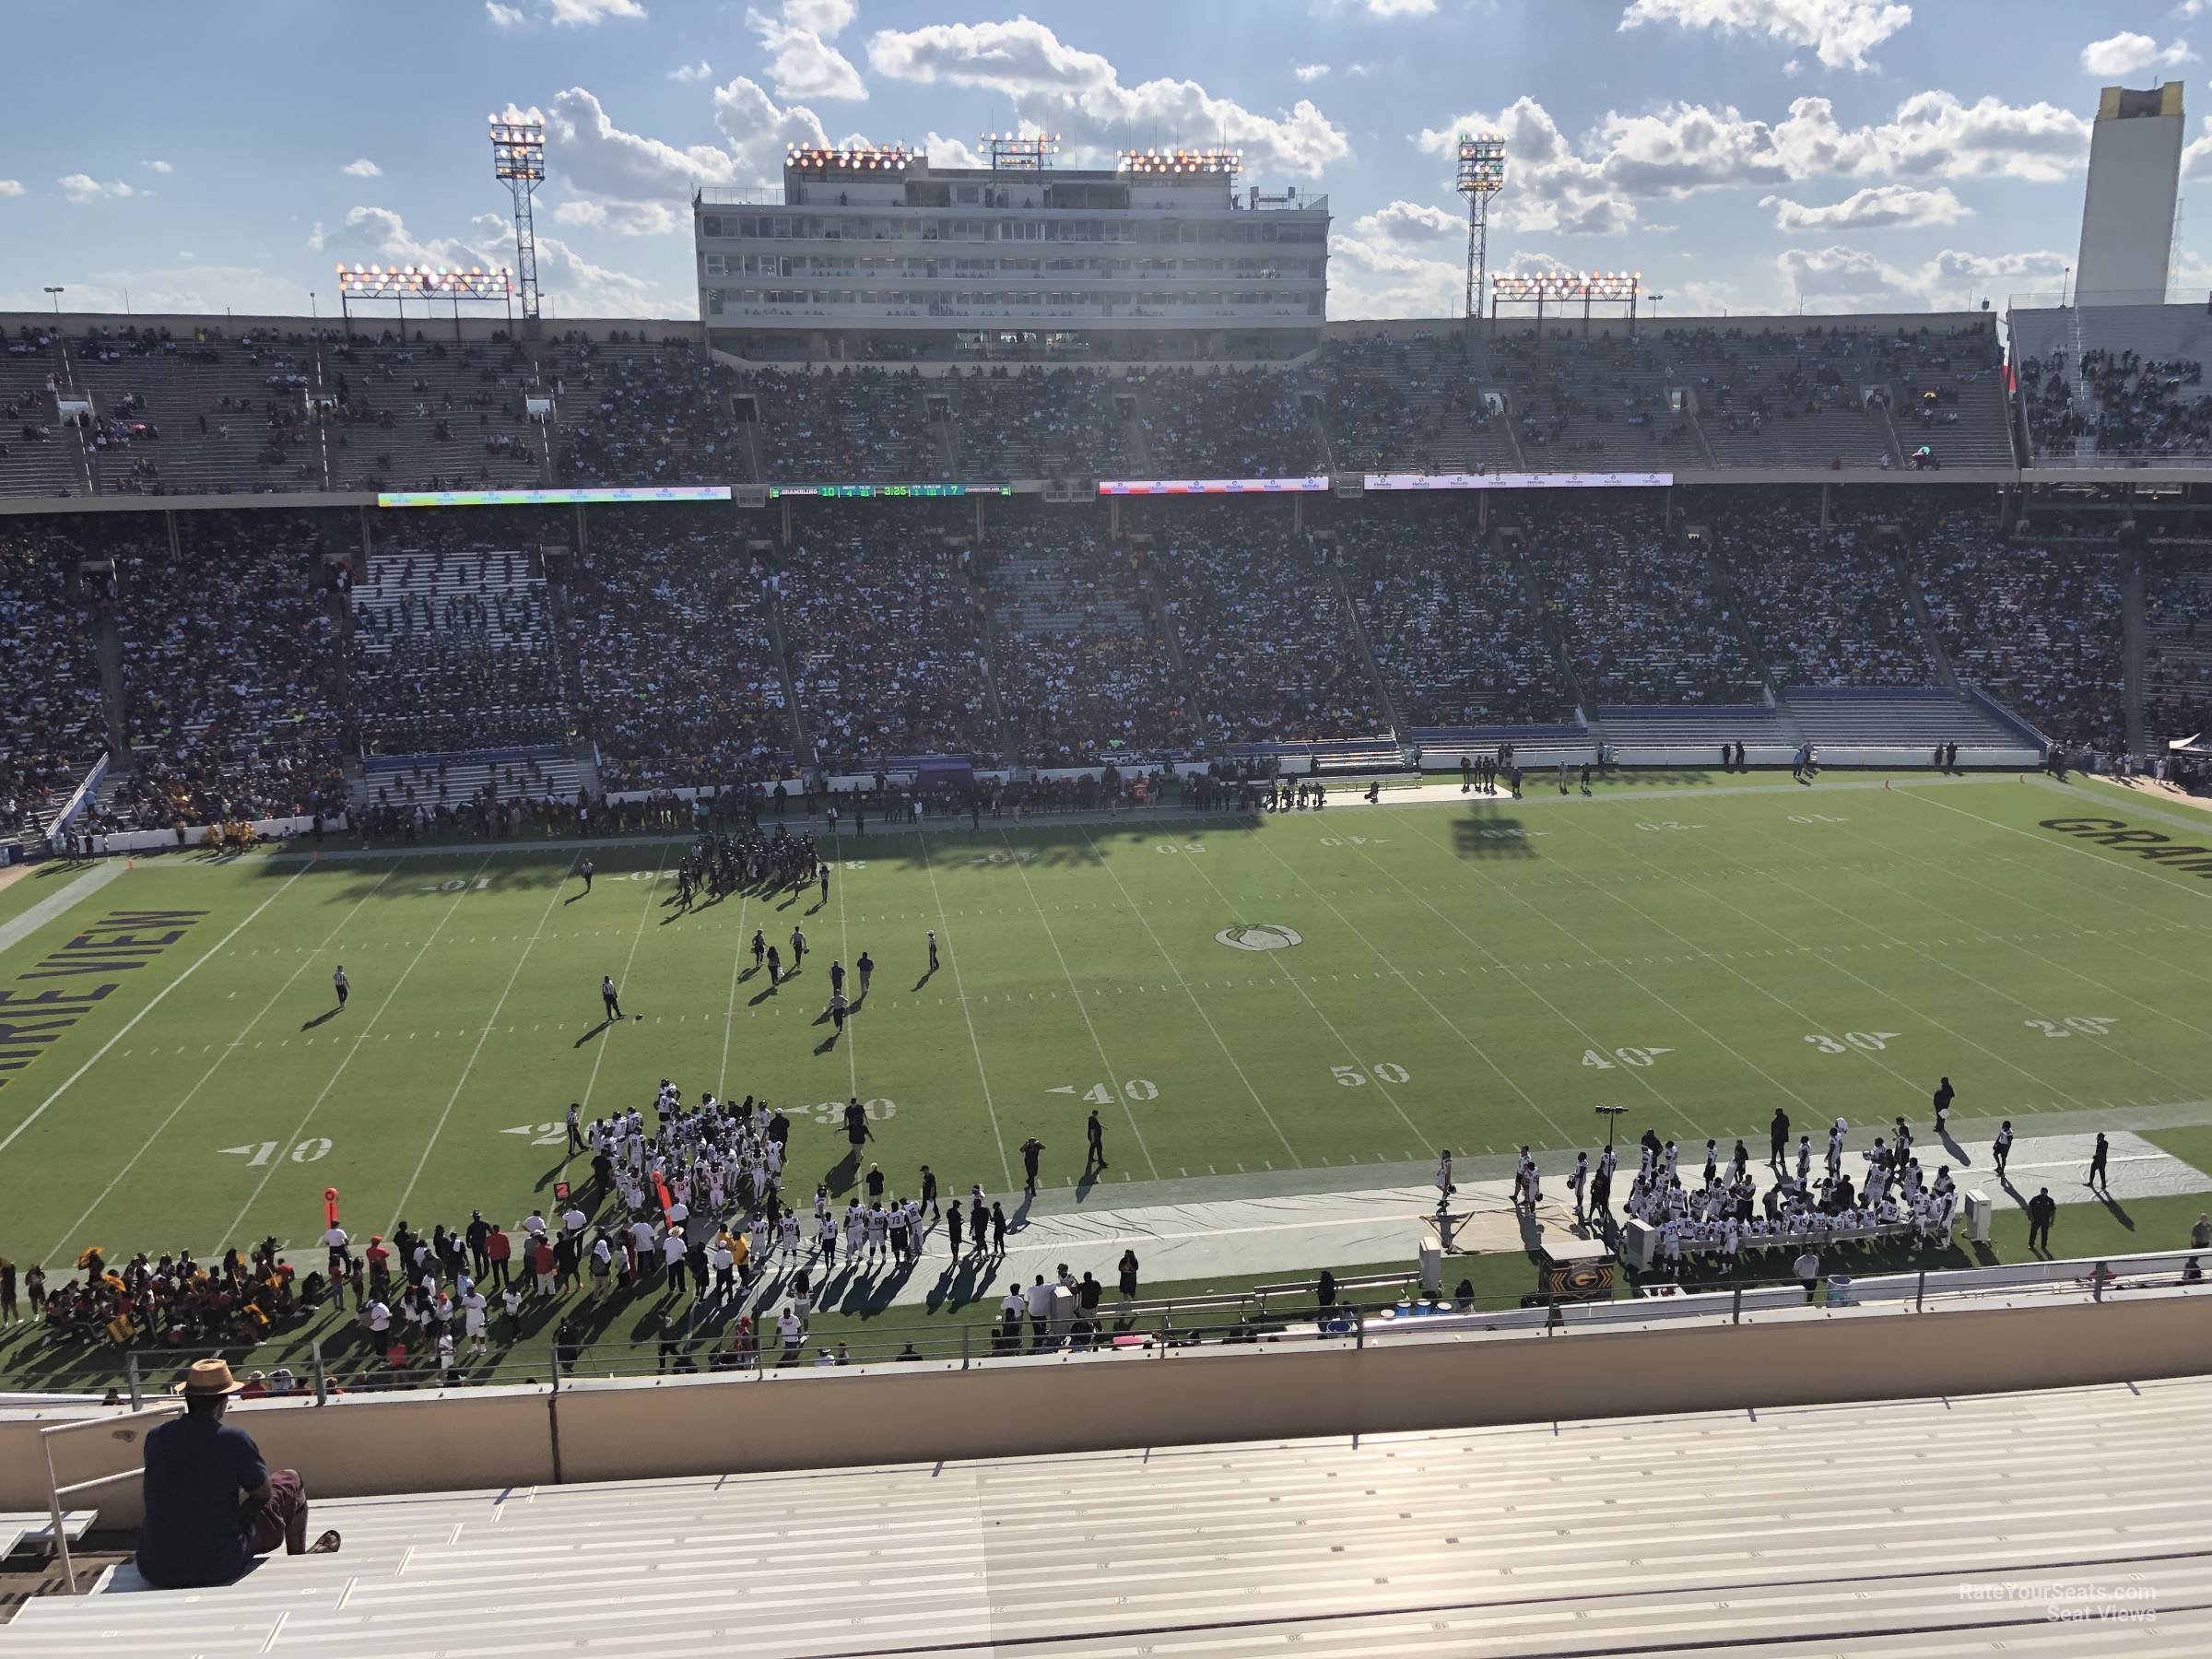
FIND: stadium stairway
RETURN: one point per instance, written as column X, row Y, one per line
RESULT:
column 1923, row 1527
column 1838, row 717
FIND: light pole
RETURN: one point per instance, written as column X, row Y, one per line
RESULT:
column 55, row 291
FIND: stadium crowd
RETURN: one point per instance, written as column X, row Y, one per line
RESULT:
column 52, row 719
column 2123, row 403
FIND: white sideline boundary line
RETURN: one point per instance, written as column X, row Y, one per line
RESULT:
column 152, row 1002
column 18, row 928
column 469, row 1066
column 323, row 1093
column 959, row 992
column 1351, row 1053
column 844, row 955
column 61, row 1244
column 1128, row 1106
column 1143, row 920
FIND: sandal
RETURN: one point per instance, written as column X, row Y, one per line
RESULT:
column 326, row 1545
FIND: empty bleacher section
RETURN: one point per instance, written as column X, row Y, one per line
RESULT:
column 847, row 423
column 884, row 639
column 1207, row 423
column 452, row 647
column 52, row 725
column 463, row 792
column 1454, row 633
column 424, row 415
column 675, row 671
column 1825, row 610
column 2108, row 384
column 1846, row 717
column 1038, row 423
column 39, row 455
column 1265, row 636
column 1418, row 400
column 1634, row 605
column 2038, row 628
column 2177, row 600
column 229, row 677
column 1076, row 655
column 198, row 413
column 2065, row 1524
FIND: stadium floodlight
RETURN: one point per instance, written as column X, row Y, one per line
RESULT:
column 1213, row 163
column 846, row 159
column 1481, row 176
column 1020, row 152
column 401, row 283
column 1550, row 288
column 518, row 160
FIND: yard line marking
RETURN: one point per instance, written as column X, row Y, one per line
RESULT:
column 439, row 1128
column 844, row 951
column 2067, row 847
column 2054, row 962
column 1196, row 1003
column 313, row 1106
column 1859, row 979
column 1349, row 1052
column 152, row 1002
column 190, row 1094
column 975, row 1047
column 1128, row 1109
column 638, row 934
column 729, row 1017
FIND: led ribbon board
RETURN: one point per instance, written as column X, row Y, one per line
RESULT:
column 888, row 492
column 1164, row 487
column 550, row 498
column 1562, row 480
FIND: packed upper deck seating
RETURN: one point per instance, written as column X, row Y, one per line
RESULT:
column 1825, row 610
column 1265, row 639
column 1207, row 423
column 1415, row 403
column 1636, row 613
column 2038, row 628
column 847, row 423
column 884, row 639
column 1449, row 618
column 2177, row 657
column 2118, row 401
column 636, row 412
column 1079, row 662
column 1038, row 423
column 229, row 675
column 675, row 672
column 52, row 724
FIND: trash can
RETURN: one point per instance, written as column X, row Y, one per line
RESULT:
column 1839, row 1290
column 1432, row 1268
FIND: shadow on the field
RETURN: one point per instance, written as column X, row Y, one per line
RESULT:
column 1488, row 832
column 328, row 1014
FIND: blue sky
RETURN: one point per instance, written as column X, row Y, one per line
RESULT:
column 1752, row 155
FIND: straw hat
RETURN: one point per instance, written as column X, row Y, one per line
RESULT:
column 206, row 1377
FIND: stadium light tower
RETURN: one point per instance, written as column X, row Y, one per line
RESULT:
column 1481, row 176
column 518, row 157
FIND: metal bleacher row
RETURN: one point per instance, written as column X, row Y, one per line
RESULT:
column 1931, row 1527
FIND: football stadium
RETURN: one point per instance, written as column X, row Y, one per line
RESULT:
column 1121, row 947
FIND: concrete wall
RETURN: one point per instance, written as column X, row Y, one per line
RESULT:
column 475, row 1439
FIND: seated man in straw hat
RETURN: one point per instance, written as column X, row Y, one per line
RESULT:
column 211, row 1503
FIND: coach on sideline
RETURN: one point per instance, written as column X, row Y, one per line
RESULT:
column 211, row 1503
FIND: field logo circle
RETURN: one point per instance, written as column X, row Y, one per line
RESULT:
column 1258, row 936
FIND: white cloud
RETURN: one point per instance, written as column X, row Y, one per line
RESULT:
column 1400, row 9
column 1841, row 31
column 2126, row 54
column 802, row 62
column 1357, row 71
column 83, row 187
column 1846, row 279
column 249, row 290
column 625, row 218
column 362, row 167
column 579, row 287
column 1065, row 89
column 943, row 151
column 1367, row 279
column 602, row 159
column 1408, row 222
column 1794, row 68
column 758, row 129
column 503, row 17
column 589, row 14
column 159, row 167
column 11, row 187
column 1876, row 207
column 686, row 73
column 2196, row 156
column 1310, row 72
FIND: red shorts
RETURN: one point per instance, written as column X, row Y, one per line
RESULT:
column 267, row 1524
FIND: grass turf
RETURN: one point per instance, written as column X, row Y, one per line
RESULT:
column 1479, row 974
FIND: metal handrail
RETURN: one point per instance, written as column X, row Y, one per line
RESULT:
column 55, row 1492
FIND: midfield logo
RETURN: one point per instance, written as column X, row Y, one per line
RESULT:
column 1258, row 936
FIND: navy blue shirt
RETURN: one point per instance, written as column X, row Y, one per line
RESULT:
column 196, row 1470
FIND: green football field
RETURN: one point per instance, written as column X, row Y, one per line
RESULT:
column 1336, row 992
